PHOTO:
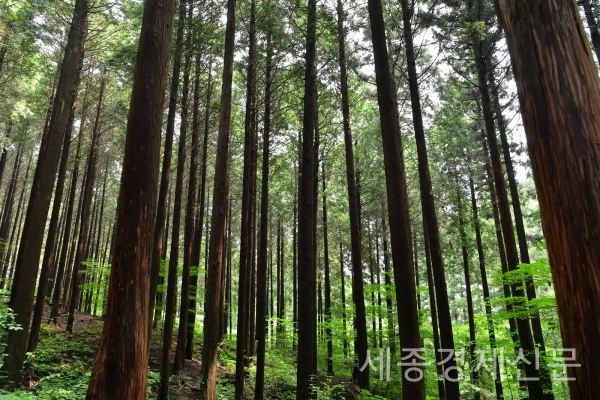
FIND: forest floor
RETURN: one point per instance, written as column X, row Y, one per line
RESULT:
column 63, row 364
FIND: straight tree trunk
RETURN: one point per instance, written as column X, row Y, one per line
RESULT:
column 165, row 174
column 353, row 204
column 397, row 199
column 62, row 264
column 179, row 359
column 536, row 324
column 428, row 208
column 212, row 316
column 170, row 303
column 246, row 216
column 200, row 216
column 328, row 330
column 50, row 242
column 90, row 178
column 434, row 319
column 563, row 86
column 372, row 286
column 343, row 298
column 378, row 272
column 15, row 226
column 121, row 364
column 30, row 245
column 8, row 210
column 469, row 296
column 502, row 254
column 388, row 291
column 535, row 387
column 252, row 313
column 191, row 216
column 485, row 287
column 307, row 284
column 6, row 136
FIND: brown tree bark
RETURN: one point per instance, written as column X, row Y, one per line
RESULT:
column 327, row 280
column 535, row 389
column 485, row 287
column 50, row 242
column 388, row 284
column 218, row 218
column 261, row 287
column 179, row 359
column 67, row 239
column 30, row 246
column 343, row 298
column 121, row 364
column 8, row 211
column 307, row 284
column 536, row 323
column 469, row 296
column 428, row 208
column 5, row 148
column 434, row 318
column 15, row 227
column 170, row 310
column 246, row 231
column 558, row 87
column 397, row 199
column 512, row 322
column 87, row 194
column 199, row 217
column 355, row 236
column 165, row 175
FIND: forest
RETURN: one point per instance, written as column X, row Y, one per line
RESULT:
column 285, row 199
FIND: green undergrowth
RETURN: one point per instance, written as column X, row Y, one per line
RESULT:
column 63, row 364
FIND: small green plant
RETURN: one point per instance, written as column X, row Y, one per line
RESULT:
column 7, row 323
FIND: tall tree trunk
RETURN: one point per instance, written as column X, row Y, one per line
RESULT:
column 565, row 161
column 252, row 295
column 434, row 318
column 87, row 194
column 191, row 215
column 246, row 216
column 15, row 226
column 8, row 211
column 397, row 201
column 62, row 264
column 328, row 330
column 428, row 207
column 306, row 222
column 30, row 246
column 50, row 242
column 179, row 359
column 165, row 174
column 514, row 334
column 535, row 389
column 388, row 284
column 378, row 272
column 343, row 298
column 372, row 286
column 486, row 290
column 208, row 379
column 536, row 324
column 121, row 364
column 6, row 136
column 200, row 216
column 170, row 303
column 469, row 296
column 355, row 236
